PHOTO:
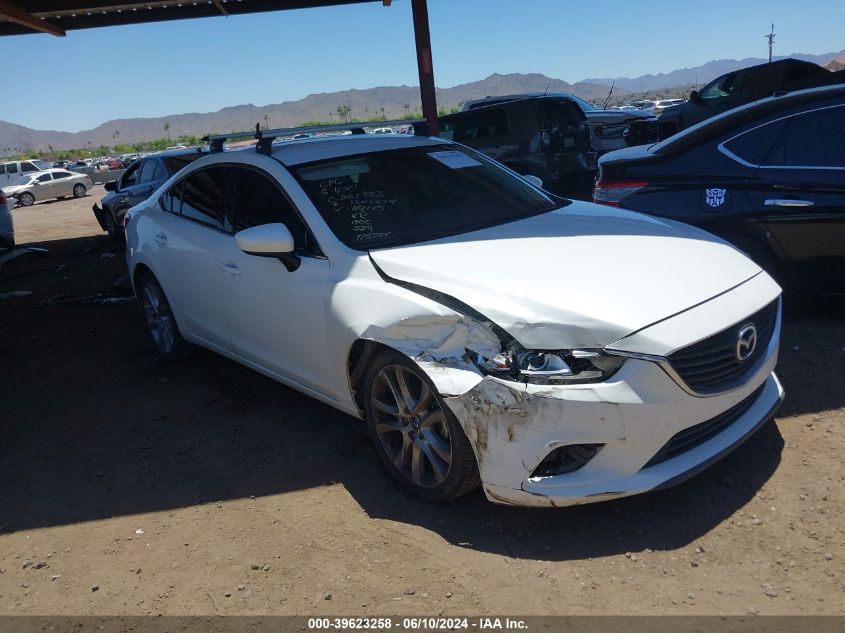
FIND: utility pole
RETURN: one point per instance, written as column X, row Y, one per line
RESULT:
column 771, row 38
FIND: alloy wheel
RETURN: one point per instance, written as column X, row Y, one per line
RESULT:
column 26, row 199
column 411, row 426
column 159, row 317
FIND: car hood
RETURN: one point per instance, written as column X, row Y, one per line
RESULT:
column 583, row 276
column 13, row 189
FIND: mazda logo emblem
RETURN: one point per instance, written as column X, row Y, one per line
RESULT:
column 746, row 342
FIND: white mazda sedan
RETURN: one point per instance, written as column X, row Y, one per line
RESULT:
column 557, row 352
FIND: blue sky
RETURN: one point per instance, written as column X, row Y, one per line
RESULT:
column 91, row 76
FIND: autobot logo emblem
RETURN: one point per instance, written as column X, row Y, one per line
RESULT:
column 746, row 342
column 715, row 197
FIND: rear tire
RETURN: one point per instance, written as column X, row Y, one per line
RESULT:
column 417, row 437
column 79, row 190
column 161, row 322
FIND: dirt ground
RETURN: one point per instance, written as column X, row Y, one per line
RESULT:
column 129, row 487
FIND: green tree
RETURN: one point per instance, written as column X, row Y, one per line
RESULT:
column 167, row 129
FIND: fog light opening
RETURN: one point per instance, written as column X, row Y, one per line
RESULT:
column 566, row 459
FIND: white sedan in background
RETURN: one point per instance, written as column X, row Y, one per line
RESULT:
column 46, row 184
column 558, row 352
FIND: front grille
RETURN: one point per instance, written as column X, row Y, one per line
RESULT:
column 688, row 439
column 711, row 366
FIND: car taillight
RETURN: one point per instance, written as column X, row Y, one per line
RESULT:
column 612, row 193
column 2, row 198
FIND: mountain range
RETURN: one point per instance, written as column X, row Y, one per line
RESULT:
column 391, row 102
column 700, row 74
column 364, row 104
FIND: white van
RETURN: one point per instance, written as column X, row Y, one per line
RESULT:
column 10, row 171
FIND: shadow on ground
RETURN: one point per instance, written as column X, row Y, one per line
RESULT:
column 94, row 427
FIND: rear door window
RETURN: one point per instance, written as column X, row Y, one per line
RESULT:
column 12, row 168
column 812, row 139
column 481, row 124
column 753, row 146
column 147, row 170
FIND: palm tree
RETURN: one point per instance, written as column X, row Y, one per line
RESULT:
column 116, row 137
column 266, row 122
column 383, row 117
column 407, row 108
column 167, row 129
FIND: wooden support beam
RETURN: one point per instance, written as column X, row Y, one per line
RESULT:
column 425, row 65
column 220, row 8
column 17, row 15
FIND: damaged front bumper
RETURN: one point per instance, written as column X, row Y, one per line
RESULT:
column 514, row 427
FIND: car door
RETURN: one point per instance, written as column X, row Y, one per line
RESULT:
column 63, row 183
column 43, row 186
column 799, row 189
column 145, row 183
column 276, row 316
column 188, row 234
column 714, row 98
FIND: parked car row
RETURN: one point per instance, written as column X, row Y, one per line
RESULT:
column 767, row 177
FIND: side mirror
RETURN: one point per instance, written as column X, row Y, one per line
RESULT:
column 694, row 96
column 110, row 185
column 269, row 240
column 534, row 180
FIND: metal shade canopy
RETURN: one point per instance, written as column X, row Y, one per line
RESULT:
column 59, row 16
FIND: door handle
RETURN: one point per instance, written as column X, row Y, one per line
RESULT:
column 161, row 239
column 787, row 202
column 230, row 268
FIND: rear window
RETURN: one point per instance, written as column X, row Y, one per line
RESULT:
column 560, row 112
column 411, row 195
column 482, row 123
column 812, row 139
column 175, row 163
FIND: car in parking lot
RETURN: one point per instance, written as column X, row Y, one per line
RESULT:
column 582, row 353
column 49, row 183
column 739, row 87
column 139, row 180
column 543, row 136
column 767, row 177
column 609, row 129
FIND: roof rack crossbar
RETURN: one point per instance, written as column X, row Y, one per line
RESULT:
column 266, row 137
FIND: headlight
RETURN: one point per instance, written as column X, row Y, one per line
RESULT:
column 615, row 130
column 559, row 367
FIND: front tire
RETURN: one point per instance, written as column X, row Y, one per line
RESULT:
column 78, row 190
column 161, row 322
column 26, row 199
column 416, row 435
column 111, row 226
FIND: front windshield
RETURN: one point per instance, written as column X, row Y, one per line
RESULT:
column 40, row 164
column 23, row 180
column 416, row 194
